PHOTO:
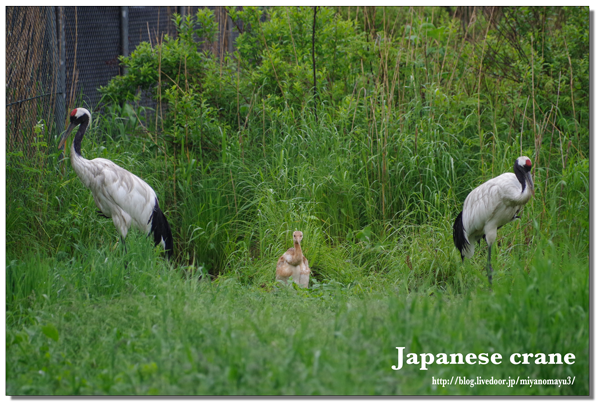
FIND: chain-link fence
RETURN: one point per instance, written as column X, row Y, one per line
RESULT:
column 31, row 72
column 57, row 57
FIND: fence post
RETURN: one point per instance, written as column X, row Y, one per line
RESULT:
column 60, row 109
column 229, row 25
column 124, row 34
column 181, row 10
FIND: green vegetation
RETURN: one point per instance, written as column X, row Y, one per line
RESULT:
column 413, row 108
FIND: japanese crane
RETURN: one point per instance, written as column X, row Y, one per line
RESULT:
column 118, row 193
column 293, row 263
column 490, row 206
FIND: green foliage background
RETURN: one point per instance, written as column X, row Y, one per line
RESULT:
column 412, row 109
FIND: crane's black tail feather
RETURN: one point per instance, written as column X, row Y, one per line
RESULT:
column 459, row 235
column 161, row 230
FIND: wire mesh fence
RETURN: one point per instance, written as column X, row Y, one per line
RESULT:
column 31, row 73
column 93, row 38
column 150, row 23
column 58, row 57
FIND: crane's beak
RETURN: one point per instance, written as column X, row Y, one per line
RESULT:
column 61, row 144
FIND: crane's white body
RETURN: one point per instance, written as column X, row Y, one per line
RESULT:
column 119, row 194
column 490, row 206
column 294, row 264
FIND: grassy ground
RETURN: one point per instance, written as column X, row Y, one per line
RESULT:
column 92, row 326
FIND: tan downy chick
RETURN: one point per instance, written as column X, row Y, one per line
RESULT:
column 293, row 263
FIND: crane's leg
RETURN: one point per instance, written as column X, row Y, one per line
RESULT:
column 490, row 270
column 125, row 250
column 490, row 238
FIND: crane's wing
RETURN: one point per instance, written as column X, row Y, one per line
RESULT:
column 489, row 201
column 115, row 187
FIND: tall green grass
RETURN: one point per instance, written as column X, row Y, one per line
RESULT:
column 85, row 318
column 102, row 329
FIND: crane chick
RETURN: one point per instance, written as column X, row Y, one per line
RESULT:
column 293, row 263
column 490, row 206
column 118, row 193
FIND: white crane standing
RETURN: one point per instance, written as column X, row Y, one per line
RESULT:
column 490, row 206
column 118, row 193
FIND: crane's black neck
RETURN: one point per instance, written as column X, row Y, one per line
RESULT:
column 520, row 172
column 79, row 136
